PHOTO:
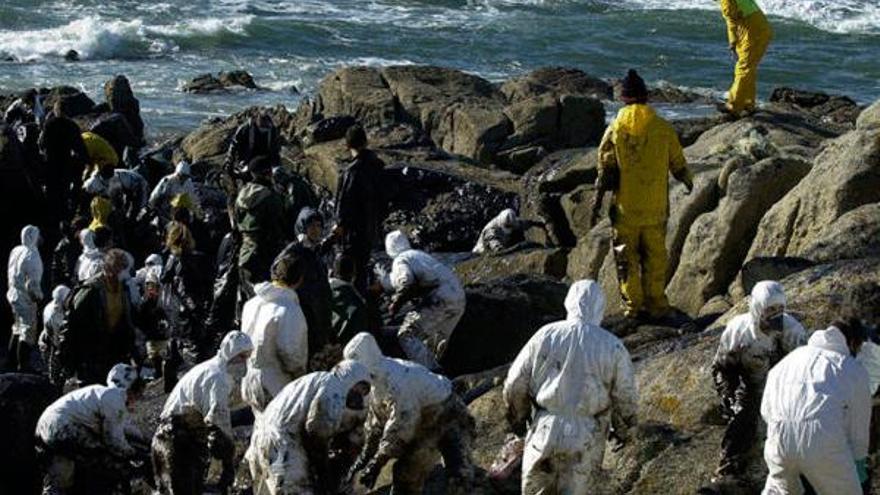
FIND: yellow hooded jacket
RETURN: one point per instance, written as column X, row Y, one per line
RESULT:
column 101, row 152
column 644, row 149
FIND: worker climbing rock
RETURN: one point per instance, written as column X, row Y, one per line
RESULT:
column 748, row 33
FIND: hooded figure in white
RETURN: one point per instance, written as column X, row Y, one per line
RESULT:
column 24, row 293
column 289, row 446
column 172, row 185
column 275, row 323
column 91, row 262
column 580, row 379
column 88, row 422
column 415, row 274
column 53, row 320
column 196, row 421
column 152, row 269
column 502, row 232
column 413, row 416
column 818, row 409
column 122, row 183
column 750, row 345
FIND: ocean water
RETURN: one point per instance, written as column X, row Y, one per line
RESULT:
column 829, row 45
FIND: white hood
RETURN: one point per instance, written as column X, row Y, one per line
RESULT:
column 121, row 376
column 585, row 302
column 59, row 294
column 30, row 236
column 396, row 243
column 364, row 349
column 831, row 339
column 233, row 344
column 764, row 295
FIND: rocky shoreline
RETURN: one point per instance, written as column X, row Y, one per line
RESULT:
column 791, row 192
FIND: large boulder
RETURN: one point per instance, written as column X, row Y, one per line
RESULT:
column 482, row 269
column 855, row 234
column 23, row 398
column 74, row 103
column 587, row 257
column 360, row 92
column 830, row 108
column 557, row 81
column 209, row 83
column 869, row 118
column 845, row 176
column 719, row 241
column 501, row 316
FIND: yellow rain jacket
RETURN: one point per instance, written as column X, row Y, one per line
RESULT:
column 644, row 149
column 101, row 152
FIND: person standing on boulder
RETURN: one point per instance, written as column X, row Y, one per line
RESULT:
column 636, row 155
column 750, row 345
column 360, row 205
column 256, row 137
column 66, row 156
column 574, row 380
column 748, row 34
column 817, row 405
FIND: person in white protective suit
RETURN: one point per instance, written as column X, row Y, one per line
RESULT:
column 124, row 187
column 416, row 275
column 91, row 262
column 53, row 320
column 502, row 232
column 751, row 344
column 24, row 294
column 289, row 449
column 172, row 185
column 579, row 379
column 817, row 407
column 89, row 429
column 195, row 424
column 274, row 321
column 414, row 416
column 154, row 263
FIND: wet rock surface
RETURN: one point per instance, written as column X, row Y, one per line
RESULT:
column 790, row 192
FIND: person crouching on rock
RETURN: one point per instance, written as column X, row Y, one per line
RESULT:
column 751, row 344
column 414, row 416
column 579, row 380
column 636, row 155
column 440, row 300
column 87, row 430
column 503, row 232
column 196, row 425
column 289, row 450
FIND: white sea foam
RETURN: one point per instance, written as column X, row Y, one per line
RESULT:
column 94, row 37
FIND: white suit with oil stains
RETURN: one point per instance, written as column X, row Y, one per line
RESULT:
column 426, row 330
column 817, row 406
column 580, row 378
column 25, row 272
column 313, row 405
column 274, row 321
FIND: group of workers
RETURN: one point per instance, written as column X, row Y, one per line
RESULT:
column 252, row 320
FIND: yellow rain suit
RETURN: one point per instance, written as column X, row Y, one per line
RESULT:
column 101, row 153
column 749, row 32
column 640, row 149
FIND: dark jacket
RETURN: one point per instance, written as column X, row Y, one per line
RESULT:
column 249, row 142
column 66, row 155
column 188, row 279
column 86, row 344
column 314, row 295
column 259, row 215
column 361, row 201
column 349, row 310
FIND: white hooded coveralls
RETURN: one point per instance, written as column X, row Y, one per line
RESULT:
column 495, row 234
column 25, row 272
column 53, row 317
column 208, row 386
column 91, row 262
column 425, row 332
column 123, row 181
column 311, row 405
column 173, row 185
column 277, row 327
column 580, row 377
column 401, row 391
column 818, row 409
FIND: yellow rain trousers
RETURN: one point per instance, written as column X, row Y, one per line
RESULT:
column 644, row 149
column 749, row 31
